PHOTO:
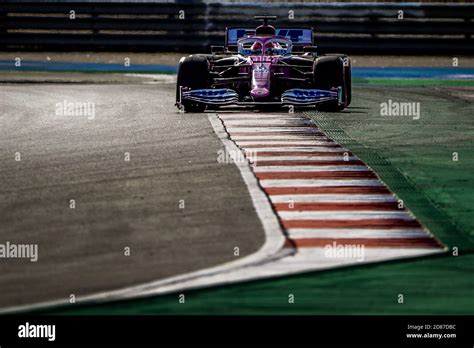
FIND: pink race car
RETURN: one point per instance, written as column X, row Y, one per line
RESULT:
column 264, row 67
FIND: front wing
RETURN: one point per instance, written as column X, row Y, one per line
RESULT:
column 295, row 96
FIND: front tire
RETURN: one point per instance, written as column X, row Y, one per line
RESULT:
column 347, row 75
column 193, row 72
column 330, row 72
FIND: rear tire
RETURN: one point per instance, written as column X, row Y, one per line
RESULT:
column 193, row 72
column 330, row 72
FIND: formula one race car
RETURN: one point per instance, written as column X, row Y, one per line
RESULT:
column 264, row 67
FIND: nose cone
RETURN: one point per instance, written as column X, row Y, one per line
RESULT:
column 259, row 92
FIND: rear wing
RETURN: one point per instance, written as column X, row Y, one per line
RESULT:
column 300, row 37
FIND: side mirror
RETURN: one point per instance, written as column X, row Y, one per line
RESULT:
column 311, row 49
column 217, row 49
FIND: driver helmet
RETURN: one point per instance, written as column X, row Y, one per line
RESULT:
column 256, row 45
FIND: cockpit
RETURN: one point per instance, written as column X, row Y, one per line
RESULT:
column 271, row 47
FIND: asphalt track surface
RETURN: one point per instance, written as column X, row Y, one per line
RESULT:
column 119, row 204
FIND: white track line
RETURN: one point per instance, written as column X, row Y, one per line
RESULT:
column 320, row 183
column 258, row 116
column 268, row 119
column 297, row 233
column 270, row 123
column 333, row 198
column 279, row 137
column 314, row 259
column 299, row 169
column 344, row 215
column 273, row 128
column 278, row 131
column 306, row 157
column 298, row 148
column 243, row 142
